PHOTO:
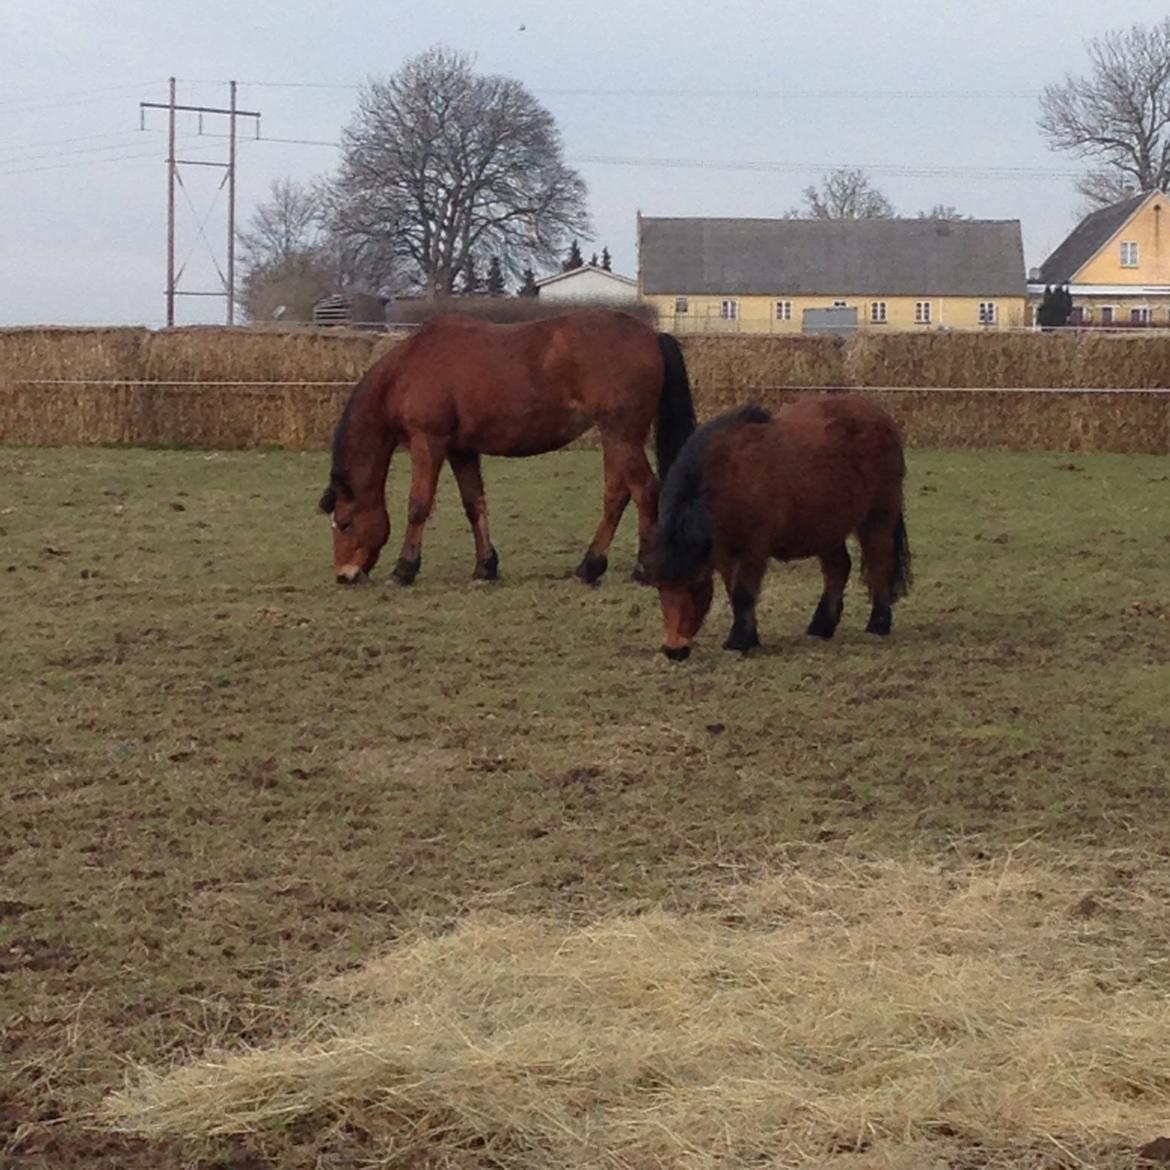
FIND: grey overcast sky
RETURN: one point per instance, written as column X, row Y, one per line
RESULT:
column 936, row 98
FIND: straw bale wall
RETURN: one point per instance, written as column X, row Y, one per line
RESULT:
column 225, row 388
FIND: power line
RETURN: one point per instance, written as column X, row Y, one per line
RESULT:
column 89, row 161
column 676, row 92
column 909, row 170
column 22, row 146
column 69, row 93
column 126, row 135
column 25, row 108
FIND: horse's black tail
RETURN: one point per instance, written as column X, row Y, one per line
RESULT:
column 676, row 410
column 902, row 576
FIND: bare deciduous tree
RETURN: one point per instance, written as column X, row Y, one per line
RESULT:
column 1119, row 113
column 441, row 166
column 944, row 211
column 845, row 193
column 286, row 256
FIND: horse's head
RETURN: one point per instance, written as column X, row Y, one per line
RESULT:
column 684, row 607
column 360, row 530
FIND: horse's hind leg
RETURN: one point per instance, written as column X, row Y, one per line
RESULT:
column 835, row 565
column 426, row 461
column 742, row 580
column 617, row 496
column 644, row 488
column 465, row 465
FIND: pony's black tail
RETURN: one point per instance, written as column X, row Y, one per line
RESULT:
column 902, row 576
column 676, row 410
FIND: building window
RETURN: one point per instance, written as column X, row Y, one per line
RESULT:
column 1129, row 254
column 1106, row 314
column 729, row 310
column 922, row 312
column 1081, row 315
column 1141, row 316
column 877, row 312
column 840, row 305
column 987, row 313
column 783, row 310
column 681, row 305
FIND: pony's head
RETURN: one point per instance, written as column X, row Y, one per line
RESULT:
column 685, row 604
column 360, row 530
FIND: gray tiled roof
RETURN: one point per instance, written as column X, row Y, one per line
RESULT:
column 1087, row 239
column 895, row 257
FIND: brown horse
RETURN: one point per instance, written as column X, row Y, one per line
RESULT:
column 460, row 388
column 747, row 487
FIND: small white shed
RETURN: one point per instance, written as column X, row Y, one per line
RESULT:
column 589, row 283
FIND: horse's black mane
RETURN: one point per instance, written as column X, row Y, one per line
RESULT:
column 339, row 484
column 685, row 533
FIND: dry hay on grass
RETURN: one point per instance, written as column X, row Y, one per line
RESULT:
column 876, row 1015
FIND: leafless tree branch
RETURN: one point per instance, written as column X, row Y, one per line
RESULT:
column 443, row 168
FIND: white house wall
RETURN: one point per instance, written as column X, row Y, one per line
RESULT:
column 591, row 285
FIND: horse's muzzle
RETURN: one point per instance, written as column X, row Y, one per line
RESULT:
column 361, row 577
column 677, row 653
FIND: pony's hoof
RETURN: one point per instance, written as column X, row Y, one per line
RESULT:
column 406, row 571
column 642, row 574
column 880, row 621
column 592, row 569
column 819, row 629
column 744, row 644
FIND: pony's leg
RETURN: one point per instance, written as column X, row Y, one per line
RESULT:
column 426, row 461
column 465, row 465
column 617, row 496
column 835, row 565
column 743, row 582
column 877, row 547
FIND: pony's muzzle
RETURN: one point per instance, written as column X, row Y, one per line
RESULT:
column 677, row 653
column 352, row 576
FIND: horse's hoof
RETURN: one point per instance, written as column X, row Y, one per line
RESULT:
column 880, row 621
column 821, row 629
column 489, row 569
column 642, row 574
column 592, row 569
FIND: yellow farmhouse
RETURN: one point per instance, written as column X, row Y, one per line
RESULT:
column 793, row 275
column 1116, row 265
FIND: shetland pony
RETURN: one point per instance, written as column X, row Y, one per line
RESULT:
column 748, row 486
column 460, row 388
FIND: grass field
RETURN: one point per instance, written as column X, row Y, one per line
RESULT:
column 223, row 780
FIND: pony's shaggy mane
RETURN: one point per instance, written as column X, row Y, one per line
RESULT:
column 685, row 533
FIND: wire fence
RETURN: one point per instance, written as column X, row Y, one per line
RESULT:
column 758, row 388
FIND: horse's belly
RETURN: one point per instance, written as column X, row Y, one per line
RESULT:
column 517, row 434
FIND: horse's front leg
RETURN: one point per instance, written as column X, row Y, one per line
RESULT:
column 426, row 461
column 617, row 496
column 469, row 477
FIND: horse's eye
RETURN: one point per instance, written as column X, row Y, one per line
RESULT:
column 347, row 527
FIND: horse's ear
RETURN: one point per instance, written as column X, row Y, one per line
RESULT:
column 328, row 501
